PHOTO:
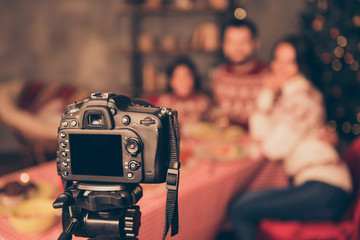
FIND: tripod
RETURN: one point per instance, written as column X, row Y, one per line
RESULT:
column 90, row 210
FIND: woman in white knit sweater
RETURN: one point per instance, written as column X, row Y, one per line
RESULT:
column 289, row 125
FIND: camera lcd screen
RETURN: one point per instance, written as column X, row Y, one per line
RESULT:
column 95, row 154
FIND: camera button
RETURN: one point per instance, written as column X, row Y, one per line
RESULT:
column 125, row 120
column 64, row 154
column 63, row 144
column 134, row 165
column 65, row 163
column 62, row 135
column 65, row 173
column 130, row 175
column 65, row 123
column 73, row 123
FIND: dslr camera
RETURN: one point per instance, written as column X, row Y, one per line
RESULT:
column 108, row 144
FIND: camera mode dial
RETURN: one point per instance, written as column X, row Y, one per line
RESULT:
column 133, row 146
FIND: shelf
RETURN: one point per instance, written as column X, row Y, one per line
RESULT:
column 157, row 53
column 179, row 53
column 166, row 10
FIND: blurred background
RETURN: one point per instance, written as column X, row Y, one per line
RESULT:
column 67, row 49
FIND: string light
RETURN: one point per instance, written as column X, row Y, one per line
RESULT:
column 331, row 126
column 341, row 41
column 356, row 129
column 326, row 58
column 336, row 65
column 334, row 33
column 339, row 52
column 240, row 13
column 346, row 127
column 354, row 65
column 323, row 4
column 348, row 58
column 358, row 117
column 318, row 23
column 356, row 20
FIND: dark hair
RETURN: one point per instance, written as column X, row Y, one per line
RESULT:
column 183, row 60
column 306, row 58
column 233, row 22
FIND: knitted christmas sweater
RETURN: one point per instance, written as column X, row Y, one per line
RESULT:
column 235, row 92
column 289, row 127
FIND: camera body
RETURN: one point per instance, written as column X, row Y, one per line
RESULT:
column 112, row 139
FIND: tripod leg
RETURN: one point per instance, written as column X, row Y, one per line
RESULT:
column 67, row 234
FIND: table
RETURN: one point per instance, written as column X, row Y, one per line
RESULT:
column 204, row 192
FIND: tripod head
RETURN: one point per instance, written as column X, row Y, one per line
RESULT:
column 100, row 211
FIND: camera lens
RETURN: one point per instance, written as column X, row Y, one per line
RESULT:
column 96, row 119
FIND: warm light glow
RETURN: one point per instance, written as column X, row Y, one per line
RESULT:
column 334, row 33
column 24, row 178
column 356, row 129
column 358, row 117
column 331, row 126
column 346, row 127
column 240, row 13
column 341, row 41
column 336, row 65
column 326, row 58
column 348, row 58
column 354, row 65
column 339, row 52
column 356, row 20
column 323, row 4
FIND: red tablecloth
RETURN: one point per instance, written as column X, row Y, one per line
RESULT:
column 204, row 192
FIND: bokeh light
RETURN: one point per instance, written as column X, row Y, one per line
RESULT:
column 24, row 177
column 356, row 129
column 354, row 65
column 339, row 52
column 349, row 58
column 240, row 13
column 346, row 127
column 341, row 41
column 331, row 126
column 336, row 65
column 326, row 58
column 334, row 33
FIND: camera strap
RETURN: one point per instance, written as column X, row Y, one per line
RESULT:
column 172, row 180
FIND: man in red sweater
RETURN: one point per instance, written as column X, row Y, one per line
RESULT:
column 236, row 83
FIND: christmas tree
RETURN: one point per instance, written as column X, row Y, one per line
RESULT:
column 334, row 28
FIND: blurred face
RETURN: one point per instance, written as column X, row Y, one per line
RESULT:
column 182, row 81
column 239, row 45
column 284, row 66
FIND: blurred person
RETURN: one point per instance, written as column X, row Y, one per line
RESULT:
column 184, row 92
column 289, row 124
column 236, row 83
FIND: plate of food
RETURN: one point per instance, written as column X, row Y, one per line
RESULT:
column 33, row 216
column 14, row 193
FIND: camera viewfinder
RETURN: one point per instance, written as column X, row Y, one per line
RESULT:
column 96, row 119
